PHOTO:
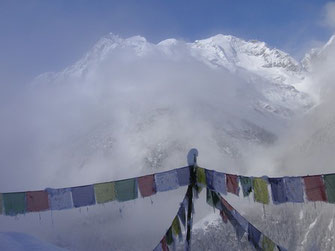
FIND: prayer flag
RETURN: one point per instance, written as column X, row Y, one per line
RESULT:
column 267, row 244
column 246, row 183
column 104, row 192
column 232, row 184
column 182, row 214
column 219, row 182
column 83, row 196
column 224, row 216
column 183, row 176
column 164, row 244
column 261, row 193
column 278, row 190
column 314, row 188
column 166, row 181
column 169, row 237
column 254, row 235
column 126, row 189
column 329, row 180
column 201, row 176
column 241, row 220
column 37, row 201
column 14, row 203
column 209, row 178
column 176, row 227
column 294, row 189
column 146, row 185
column 0, row 203
column 60, row 198
column 226, row 204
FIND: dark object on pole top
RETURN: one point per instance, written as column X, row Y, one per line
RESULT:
column 192, row 157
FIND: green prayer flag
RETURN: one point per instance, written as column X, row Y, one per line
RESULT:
column 201, row 176
column 267, row 244
column 261, row 193
column 176, row 226
column 329, row 180
column 246, row 183
column 169, row 238
column 126, row 189
column 212, row 198
column 104, row 192
column 14, row 203
column 0, row 203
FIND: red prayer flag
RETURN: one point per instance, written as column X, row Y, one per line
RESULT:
column 224, row 216
column 314, row 188
column 164, row 244
column 37, row 201
column 226, row 204
column 232, row 184
column 146, row 185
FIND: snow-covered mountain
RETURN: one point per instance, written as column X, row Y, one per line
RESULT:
column 130, row 107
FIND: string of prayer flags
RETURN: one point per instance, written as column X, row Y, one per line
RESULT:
column 232, row 184
column 83, row 196
column 183, row 176
column 246, row 183
column 126, row 189
column 201, row 176
column 261, row 193
column 14, row 203
column 37, row 201
column 329, row 180
column 105, row 192
column 146, row 185
column 166, row 181
column 219, row 182
column 278, row 190
column 294, row 189
column 60, row 199
column 314, row 188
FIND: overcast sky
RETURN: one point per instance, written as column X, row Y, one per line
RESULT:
column 39, row 35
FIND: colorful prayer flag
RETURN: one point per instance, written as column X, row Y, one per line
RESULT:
column 232, row 184
column 14, row 203
column 146, row 185
column 254, row 235
column 241, row 220
column 219, row 182
column 314, row 188
column 278, row 190
column 60, row 199
column 201, row 176
column 329, row 180
column 0, row 203
column 169, row 237
column 176, row 227
column 181, row 214
column 83, row 196
column 183, row 176
column 166, row 181
column 126, row 189
column 105, row 192
column 209, row 178
column 37, row 201
column 294, row 189
column 261, row 193
column 246, row 183
column 267, row 244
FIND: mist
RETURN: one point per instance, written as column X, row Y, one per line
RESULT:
column 129, row 113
